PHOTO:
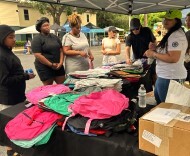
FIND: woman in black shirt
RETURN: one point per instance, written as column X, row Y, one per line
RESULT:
column 47, row 49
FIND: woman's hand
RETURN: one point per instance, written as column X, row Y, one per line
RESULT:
column 54, row 66
column 83, row 54
column 104, row 52
column 128, row 61
column 91, row 57
column 59, row 65
column 149, row 53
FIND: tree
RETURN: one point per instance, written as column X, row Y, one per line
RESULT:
column 152, row 18
column 54, row 10
column 105, row 19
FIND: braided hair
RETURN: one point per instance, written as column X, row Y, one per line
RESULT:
column 74, row 20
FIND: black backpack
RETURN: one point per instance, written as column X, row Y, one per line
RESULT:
column 120, row 123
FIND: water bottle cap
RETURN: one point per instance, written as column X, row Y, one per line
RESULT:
column 142, row 85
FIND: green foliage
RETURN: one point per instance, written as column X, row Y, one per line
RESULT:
column 69, row 10
column 20, row 43
column 152, row 18
column 81, row 10
column 105, row 19
column 54, row 10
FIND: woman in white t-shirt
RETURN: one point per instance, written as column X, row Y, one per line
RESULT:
column 111, row 47
column 170, row 55
column 76, row 47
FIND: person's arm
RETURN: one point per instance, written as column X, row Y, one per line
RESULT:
column 43, row 60
column 91, row 57
column 117, row 51
column 68, row 51
column 103, row 47
column 61, row 56
column 128, row 51
column 103, row 50
column 61, row 59
column 169, row 57
column 128, row 43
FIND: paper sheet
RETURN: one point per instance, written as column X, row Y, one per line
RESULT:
column 162, row 115
column 151, row 138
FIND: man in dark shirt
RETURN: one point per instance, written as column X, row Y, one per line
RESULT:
column 140, row 38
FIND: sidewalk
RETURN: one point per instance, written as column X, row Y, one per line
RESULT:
column 96, row 50
column 18, row 50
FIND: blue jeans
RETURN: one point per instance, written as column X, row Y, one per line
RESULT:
column 161, row 88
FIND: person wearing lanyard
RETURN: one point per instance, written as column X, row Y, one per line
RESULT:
column 47, row 49
column 76, row 47
column 170, row 55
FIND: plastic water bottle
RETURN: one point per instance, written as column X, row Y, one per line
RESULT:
column 142, row 96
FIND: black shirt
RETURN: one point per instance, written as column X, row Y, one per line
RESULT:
column 48, row 45
column 140, row 42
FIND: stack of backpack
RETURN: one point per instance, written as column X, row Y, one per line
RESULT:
column 107, row 112
column 31, row 127
column 90, row 112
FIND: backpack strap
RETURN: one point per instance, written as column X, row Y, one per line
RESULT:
column 87, row 127
column 33, row 116
column 64, row 124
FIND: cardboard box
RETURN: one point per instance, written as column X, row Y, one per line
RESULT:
column 172, row 139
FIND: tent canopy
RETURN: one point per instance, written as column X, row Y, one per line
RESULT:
column 29, row 30
column 125, row 6
column 107, row 28
column 94, row 29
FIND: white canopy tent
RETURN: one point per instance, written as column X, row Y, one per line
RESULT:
column 29, row 30
column 125, row 6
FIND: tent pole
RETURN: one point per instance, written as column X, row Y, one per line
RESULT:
column 129, row 20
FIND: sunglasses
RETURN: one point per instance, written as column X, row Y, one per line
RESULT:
column 135, row 29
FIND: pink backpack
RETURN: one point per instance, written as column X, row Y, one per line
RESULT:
column 99, row 105
column 35, row 95
column 30, row 123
